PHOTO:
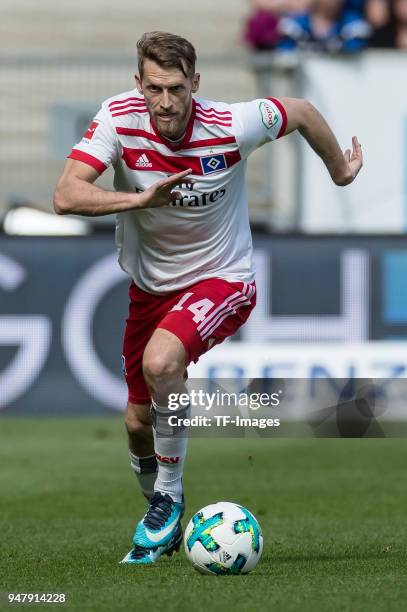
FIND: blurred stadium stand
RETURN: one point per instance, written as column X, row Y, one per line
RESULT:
column 60, row 60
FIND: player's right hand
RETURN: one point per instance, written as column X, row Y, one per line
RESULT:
column 162, row 192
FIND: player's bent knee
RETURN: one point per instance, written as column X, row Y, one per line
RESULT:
column 160, row 368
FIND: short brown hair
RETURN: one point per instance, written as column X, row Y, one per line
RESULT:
column 168, row 51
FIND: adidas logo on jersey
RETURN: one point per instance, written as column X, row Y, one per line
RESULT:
column 143, row 162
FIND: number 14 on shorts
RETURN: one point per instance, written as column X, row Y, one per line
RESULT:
column 199, row 309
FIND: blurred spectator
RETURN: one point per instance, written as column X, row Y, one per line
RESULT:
column 328, row 26
column 262, row 31
column 278, row 7
column 377, row 12
column 320, row 25
column 262, row 26
column 393, row 34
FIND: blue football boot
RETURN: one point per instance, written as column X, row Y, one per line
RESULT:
column 159, row 531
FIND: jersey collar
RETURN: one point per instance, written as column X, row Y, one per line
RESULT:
column 187, row 136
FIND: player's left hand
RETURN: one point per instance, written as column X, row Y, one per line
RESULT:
column 353, row 160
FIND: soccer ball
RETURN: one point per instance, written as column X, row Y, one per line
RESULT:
column 223, row 538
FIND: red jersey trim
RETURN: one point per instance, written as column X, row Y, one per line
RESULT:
column 210, row 142
column 120, row 102
column 213, row 121
column 153, row 161
column 88, row 159
column 193, row 144
column 136, row 132
column 283, row 114
column 187, row 135
column 122, row 107
column 199, row 107
column 213, row 115
column 130, row 111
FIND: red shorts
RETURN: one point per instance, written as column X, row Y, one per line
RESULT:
column 200, row 316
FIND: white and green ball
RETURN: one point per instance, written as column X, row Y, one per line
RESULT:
column 223, row 539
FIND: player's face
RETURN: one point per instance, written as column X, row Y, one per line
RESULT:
column 168, row 94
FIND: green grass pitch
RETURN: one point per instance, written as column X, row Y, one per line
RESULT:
column 333, row 513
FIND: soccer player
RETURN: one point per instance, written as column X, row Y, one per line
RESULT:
column 183, row 236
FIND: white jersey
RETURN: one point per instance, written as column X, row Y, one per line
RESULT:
column 206, row 232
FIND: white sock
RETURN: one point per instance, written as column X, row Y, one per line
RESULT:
column 170, row 446
column 145, row 469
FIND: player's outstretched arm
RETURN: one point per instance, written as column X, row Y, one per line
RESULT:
column 76, row 194
column 304, row 117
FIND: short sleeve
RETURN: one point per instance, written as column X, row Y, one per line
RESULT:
column 98, row 147
column 258, row 122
